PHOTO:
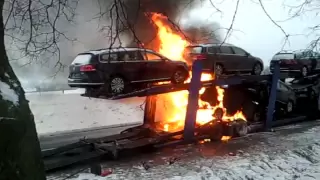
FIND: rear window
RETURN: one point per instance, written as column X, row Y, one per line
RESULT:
column 82, row 59
column 283, row 56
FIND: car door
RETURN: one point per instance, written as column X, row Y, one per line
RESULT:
column 134, row 66
column 108, row 64
column 214, row 56
column 228, row 59
column 157, row 67
column 282, row 94
column 246, row 62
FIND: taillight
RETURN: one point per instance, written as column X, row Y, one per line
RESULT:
column 200, row 57
column 86, row 68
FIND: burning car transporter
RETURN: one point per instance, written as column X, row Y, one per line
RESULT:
column 149, row 135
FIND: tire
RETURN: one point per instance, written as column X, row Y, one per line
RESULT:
column 304, row 71
column 179, row 76
column 117, row 85
column 241, row 128
column 257, row 69
column 218, row 69
column 256, row 117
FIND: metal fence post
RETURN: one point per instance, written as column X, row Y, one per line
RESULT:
column 272, row 96
column 191, row 113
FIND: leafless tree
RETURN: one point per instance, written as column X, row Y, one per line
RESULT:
column 33, row 28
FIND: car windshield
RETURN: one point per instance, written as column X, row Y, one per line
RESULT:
column 82, row 59
column 283, row 56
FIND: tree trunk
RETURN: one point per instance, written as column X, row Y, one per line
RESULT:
column 20, row 153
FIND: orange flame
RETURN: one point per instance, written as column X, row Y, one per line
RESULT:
column 172, row 45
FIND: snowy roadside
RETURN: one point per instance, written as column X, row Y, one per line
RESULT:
column 281, row 155
column 57, row 112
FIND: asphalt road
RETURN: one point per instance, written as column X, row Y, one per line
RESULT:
column 54, row 140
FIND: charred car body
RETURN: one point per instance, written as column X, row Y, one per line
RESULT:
column 120, row 69
column 224, row 59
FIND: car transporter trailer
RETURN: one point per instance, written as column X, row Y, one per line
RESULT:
column 145, row 136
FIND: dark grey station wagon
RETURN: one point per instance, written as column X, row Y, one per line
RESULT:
column 117, row 69
column 224, row 59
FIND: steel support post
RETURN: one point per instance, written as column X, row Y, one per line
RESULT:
column 272, row 96
column 192, row 107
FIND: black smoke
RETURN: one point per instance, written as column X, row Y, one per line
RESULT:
column 142, row 30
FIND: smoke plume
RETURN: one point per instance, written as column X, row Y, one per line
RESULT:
column 144, row 31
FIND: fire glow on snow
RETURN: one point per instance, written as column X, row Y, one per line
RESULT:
column 8, row 94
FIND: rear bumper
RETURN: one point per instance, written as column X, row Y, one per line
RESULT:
column 82, row 83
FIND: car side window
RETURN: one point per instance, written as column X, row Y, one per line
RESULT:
column 213, row 50
column 239, row 51
column 305, row 55
column 226, row 50
column 109, row 57
column 130, row 56
column 151, row 56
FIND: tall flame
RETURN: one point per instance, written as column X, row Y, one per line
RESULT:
column 172, row 45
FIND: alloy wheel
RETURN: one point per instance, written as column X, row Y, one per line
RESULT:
column 218, row 69
column 117, row 85
column 289, row 107
column 257, row 69
column 304, row 71
column 179, row 76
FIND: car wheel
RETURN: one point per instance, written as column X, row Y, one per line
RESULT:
column 257, row 69
column 117, row 85
column 304, row 71
column 218, row 69
column 256, row 117
column 241, row 128
column 289, row 107
column 179, row 76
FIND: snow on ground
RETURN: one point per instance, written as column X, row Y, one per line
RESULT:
column 67, row 110
column 269, row 156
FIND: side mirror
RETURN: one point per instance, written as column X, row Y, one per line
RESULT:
column 247, row 54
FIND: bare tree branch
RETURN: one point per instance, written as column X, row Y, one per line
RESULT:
column 35, row 28
column 286, row 40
